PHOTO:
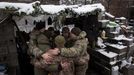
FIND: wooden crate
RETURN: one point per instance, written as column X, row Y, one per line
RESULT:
column 116, row 50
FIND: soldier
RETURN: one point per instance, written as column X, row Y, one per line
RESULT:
column 67, row 35
column 81, row 61
column 66, row 63
column 66, row 32
column 39, row 45
column 78, row 51
column 59, row 65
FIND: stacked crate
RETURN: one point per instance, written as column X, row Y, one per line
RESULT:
column 119, row 49
column 106, row 61
column 120, row 45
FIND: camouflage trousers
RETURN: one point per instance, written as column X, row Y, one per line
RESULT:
column 81, row 69
column 39, row 71
column 81, row 64
column 69, row 70
column 53, row 69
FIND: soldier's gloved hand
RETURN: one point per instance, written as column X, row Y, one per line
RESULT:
column 54, row 51
column 47, row 57
column 82, row 35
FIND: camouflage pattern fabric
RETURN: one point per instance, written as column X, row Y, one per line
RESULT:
column 79, row 51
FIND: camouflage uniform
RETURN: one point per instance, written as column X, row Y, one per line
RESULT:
column 62, row 71
column 39, row 44
column 60, row 42
column 79, row 51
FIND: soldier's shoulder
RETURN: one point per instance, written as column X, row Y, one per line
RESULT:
column 82, row 35
column 82, row 41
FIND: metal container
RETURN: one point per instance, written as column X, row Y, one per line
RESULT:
column 106, row 58
column 116, row 48
column 3, row 69
column 115, row 70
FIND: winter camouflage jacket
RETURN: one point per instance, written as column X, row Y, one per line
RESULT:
column 79, row 50
column 38, row 45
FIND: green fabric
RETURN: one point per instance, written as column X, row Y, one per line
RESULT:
column 112, row 24
column 52, row 67
column 38, row 71
column 43, row 48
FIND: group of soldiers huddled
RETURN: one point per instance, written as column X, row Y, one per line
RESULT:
column 58, row 54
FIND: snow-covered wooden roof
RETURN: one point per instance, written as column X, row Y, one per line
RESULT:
column 18, row 7
column 29, row 8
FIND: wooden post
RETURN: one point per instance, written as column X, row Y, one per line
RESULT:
column 85, row 2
